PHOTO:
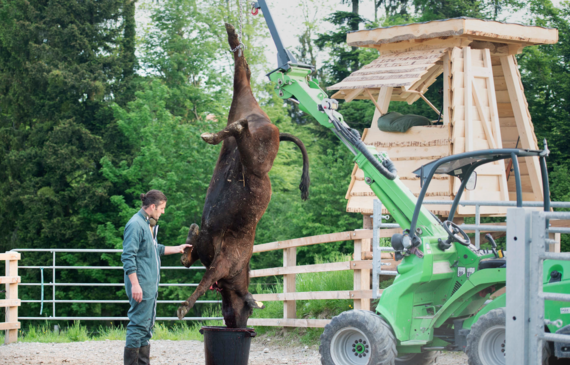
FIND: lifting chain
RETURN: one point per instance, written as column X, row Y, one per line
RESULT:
column 241, row 46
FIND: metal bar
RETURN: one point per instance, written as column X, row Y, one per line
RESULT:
column 535, row 303
column 552, row 337
column 565, row 256
column 376, row 253
column 120, row 301
column 118, row 318
column 518, row 240
column 498, row 204
column 518, row 185
column 388, row 273
column 112, row 267
column 564, row 230
column 53, row 285
column 559, row 297
column 477, row 223
column 67, row 250
column 483, row 227
column 557, row 215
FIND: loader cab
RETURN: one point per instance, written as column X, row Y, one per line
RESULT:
column 463, row 166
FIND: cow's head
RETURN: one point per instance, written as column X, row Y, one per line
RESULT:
column 237, row 309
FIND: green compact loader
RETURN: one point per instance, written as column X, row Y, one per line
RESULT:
column 438, row 299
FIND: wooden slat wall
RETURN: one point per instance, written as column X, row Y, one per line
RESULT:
column 409, row 151
column 475, row 122
column 509, row 132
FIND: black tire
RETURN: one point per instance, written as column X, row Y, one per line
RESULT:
column 350, row 332
column 486, row 343
column 424, row 358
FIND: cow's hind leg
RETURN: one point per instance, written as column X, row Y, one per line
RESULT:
column 232, row 130
column 219, row 269
column 190, row 256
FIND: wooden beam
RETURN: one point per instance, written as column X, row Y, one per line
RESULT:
column 11, row 316
column 305, row 323
column 446, row 88
column 523, row 120
column 352, row 94
column 495, row 122
column 483, row 118
column 333, row 266
column 426, row 100
column 361, row 278
column 313, row 240
column 10, row 326
column 10, row 303
column 314, row 295
column 475, row 29
column 384, row 98
column 10, row 279
column 468, row 102
column 289, row 261
column 374, row 101
column 9, row 256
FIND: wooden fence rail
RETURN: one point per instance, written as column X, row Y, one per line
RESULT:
column 11, row 303
column 361, row 265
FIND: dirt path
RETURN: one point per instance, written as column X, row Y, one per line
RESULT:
column 164, row 352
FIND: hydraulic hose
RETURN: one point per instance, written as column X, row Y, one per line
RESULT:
column 386, row 168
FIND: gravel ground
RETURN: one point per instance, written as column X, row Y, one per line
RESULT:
column 165, row 352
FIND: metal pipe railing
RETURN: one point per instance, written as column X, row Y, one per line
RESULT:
column 54, row 284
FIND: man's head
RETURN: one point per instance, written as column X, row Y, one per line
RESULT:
column 153, row 203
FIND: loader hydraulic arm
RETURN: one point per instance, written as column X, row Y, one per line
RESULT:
column 294, row 83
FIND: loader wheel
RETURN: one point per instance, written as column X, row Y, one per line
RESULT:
column 358, row 337
column 424, row 358
column 487, row 339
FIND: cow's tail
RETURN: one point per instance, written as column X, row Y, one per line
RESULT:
column 305, row 179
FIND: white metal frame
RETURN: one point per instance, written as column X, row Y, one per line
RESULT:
column 527, row 237
column 54, row 284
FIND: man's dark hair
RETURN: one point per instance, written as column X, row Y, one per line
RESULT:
column 152, row 197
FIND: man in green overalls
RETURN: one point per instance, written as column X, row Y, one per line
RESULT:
column 141, row 262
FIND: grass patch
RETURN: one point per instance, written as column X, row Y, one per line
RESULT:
column 80, row 333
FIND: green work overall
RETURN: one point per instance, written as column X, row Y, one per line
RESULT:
column 141, row 254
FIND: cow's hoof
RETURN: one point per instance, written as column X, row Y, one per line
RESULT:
column 208, row 138
column 184, row 259
column 182, row 311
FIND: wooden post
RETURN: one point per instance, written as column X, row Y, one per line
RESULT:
column 12, row 302
column 384, row 97
column 446, row 89
column 289, row 306
column 362, row 277
column 523, row 120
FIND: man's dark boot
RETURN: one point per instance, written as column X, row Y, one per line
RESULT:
column 131, row 356
column 144, row 355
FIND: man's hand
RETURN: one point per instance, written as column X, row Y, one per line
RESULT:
column 169, row 250
column 136, row 292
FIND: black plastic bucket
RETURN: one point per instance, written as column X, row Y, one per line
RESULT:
column 227, row 346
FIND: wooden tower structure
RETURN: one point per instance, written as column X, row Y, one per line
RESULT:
column 484, row 105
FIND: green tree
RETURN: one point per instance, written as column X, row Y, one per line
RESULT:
column 61, row 66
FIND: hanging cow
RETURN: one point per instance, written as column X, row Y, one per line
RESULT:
column 238, row 195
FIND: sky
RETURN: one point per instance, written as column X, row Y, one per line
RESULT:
column 288, row 16
column 289, row 20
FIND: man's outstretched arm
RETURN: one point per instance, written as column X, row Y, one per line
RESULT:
column 170, row 250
